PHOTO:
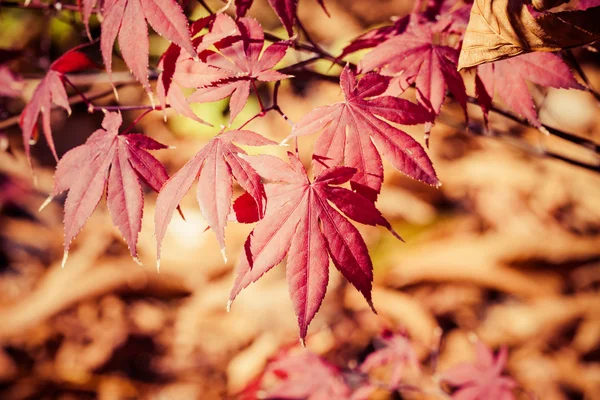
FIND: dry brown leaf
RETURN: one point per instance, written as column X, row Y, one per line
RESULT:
column 500, row 29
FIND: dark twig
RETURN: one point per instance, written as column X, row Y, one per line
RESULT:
column 575, row 64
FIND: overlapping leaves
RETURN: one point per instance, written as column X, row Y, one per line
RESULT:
column 354, row 136
column 126, row 19
column 301, row 223
column 215, row 165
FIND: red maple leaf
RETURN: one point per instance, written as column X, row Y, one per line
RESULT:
column 355, row 136
column 118, row 162
column 483, row 379
column 396, row 351
column 51, row 90
column 300, row 222
column 545, row 69
column 416, row 56
column 178, row 69
column 237, row 65
column 306, row 376
column 127, row 20
column 214, row 166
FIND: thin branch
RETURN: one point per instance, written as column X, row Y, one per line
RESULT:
column 575, row 64
column 578, row 140
column 526, row 147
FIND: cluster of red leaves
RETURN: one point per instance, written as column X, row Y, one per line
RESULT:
column 220, row 57
column 305, row 375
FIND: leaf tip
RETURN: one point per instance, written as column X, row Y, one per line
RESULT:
column 229, row 302
column 46, row 202
column 224, row 254
column 64, row 259
column 137, row 261
column 158, row 266
column 303, row 342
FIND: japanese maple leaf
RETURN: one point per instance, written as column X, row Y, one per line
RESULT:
column 483, row 379
column 355, row 136
column 415, row 57
column 300, row 222
column 545, row 69
column 113, row 161
column 179, row 70
column 127, row 20
column 51, row 90
column 397, row 352
column 215, row 165
column 306, row 376
column 286, row 10
column 238, row 64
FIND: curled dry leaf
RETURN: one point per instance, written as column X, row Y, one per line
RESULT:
column 500, row 29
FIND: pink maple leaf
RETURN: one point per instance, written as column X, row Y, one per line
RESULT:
column 51, row 90
column 179, row 70
column 353, row 134
column 300, row 222
column 545, row 69
column 237, row 65
column 127, row 20
column 416, row 57
column 110, row 161
column 483, row 379
column 215, row 165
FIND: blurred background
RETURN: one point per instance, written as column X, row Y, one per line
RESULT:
column 507, row 250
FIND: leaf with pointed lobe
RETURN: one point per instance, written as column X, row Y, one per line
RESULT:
column 51, row 90
column 483, row 378
column 306, row 376
column 414, row 57
column 237, row 64
column 115, row 163
column 300, row 222
column 179, row 70
column 544, row 69
column 214, row 166
column 355, row 135
column 127, row 20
